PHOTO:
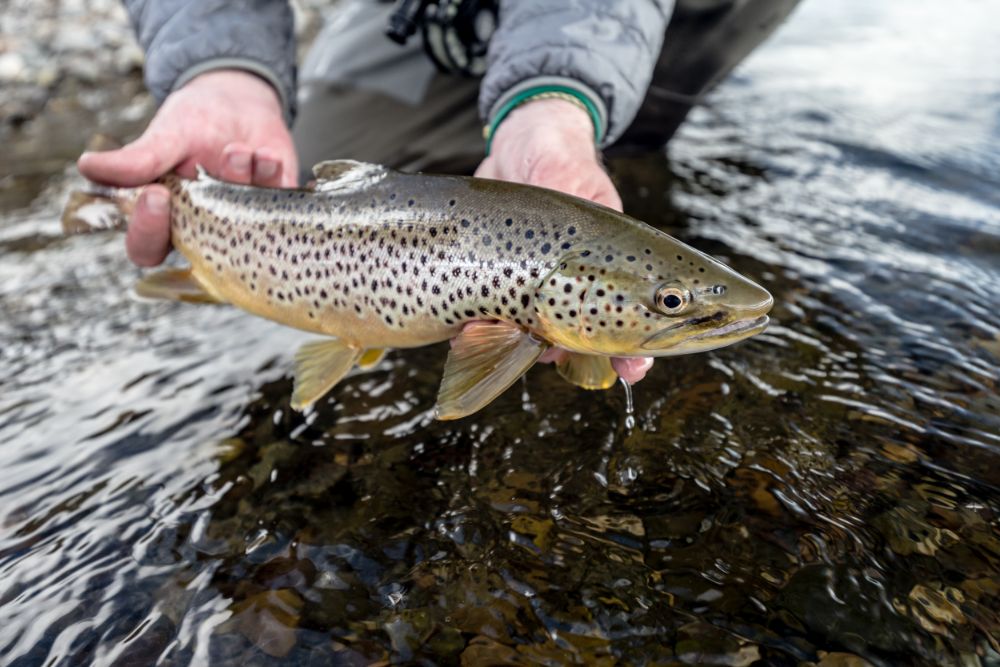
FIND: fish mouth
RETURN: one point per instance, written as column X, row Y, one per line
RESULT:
column 714, row 337
column 736, row 329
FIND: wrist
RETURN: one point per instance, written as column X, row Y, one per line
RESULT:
column 237, row 81
column 555, row 96
column 555, row 119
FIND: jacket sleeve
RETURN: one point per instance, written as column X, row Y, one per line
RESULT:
column 185, row 38
column 604, row 50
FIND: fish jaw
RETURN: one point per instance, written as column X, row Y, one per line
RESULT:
column 668, row 343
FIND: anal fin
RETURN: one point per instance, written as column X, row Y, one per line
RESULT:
column 587, row 370
column 174, row 285
column 318, row 367
column 371, row 357
column 485, row 359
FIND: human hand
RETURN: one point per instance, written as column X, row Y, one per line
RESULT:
column 550, row 143
column 228, row 121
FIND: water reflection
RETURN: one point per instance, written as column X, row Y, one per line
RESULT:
column 826, row 492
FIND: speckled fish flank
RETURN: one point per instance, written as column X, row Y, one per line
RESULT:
column 377, row 259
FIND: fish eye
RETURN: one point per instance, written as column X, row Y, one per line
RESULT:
column 672, row 300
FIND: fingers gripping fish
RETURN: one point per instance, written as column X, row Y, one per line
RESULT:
column 372, row 258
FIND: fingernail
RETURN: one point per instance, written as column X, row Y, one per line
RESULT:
column 157, row 202
column 266, row 168
column 239, row 161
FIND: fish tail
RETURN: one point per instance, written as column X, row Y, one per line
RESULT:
column 97, row 208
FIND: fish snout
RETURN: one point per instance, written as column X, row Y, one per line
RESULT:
column 747, row 300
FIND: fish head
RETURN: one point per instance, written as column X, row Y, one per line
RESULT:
column 647, row 295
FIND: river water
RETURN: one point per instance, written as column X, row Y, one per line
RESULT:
column 824, row 493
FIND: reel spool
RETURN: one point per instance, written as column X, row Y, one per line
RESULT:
column 456, row 33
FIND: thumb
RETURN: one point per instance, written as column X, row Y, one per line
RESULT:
column 144, row 160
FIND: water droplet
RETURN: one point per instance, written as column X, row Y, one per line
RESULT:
column 629, row 407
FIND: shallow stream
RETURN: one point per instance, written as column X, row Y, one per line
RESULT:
column 827, row 492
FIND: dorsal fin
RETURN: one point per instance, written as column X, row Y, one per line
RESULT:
column 347, row 175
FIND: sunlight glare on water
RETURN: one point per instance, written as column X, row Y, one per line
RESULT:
column 824, row 493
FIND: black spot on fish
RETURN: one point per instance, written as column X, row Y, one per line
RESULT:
column 508, row 222
column 465, row 222
column 530, row 234
column 545, row 248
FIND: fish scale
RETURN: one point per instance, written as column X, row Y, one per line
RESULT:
column 386, row 267
column 373, row 258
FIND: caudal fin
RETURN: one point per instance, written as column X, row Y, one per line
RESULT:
column 97, row 208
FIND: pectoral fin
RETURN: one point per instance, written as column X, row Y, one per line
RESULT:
column 484, row 360
column 587, row 371
column 175, row 285
column 318, row 367
column 371, row 357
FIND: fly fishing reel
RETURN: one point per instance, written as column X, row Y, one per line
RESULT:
column 456, row 33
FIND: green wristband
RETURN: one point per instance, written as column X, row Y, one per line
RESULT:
column 526, row 95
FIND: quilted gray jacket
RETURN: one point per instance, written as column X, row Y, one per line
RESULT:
column 605, row 49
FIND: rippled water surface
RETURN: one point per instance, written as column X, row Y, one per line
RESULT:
column 825, row 492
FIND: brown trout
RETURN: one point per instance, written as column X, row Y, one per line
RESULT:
column 374, row 258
